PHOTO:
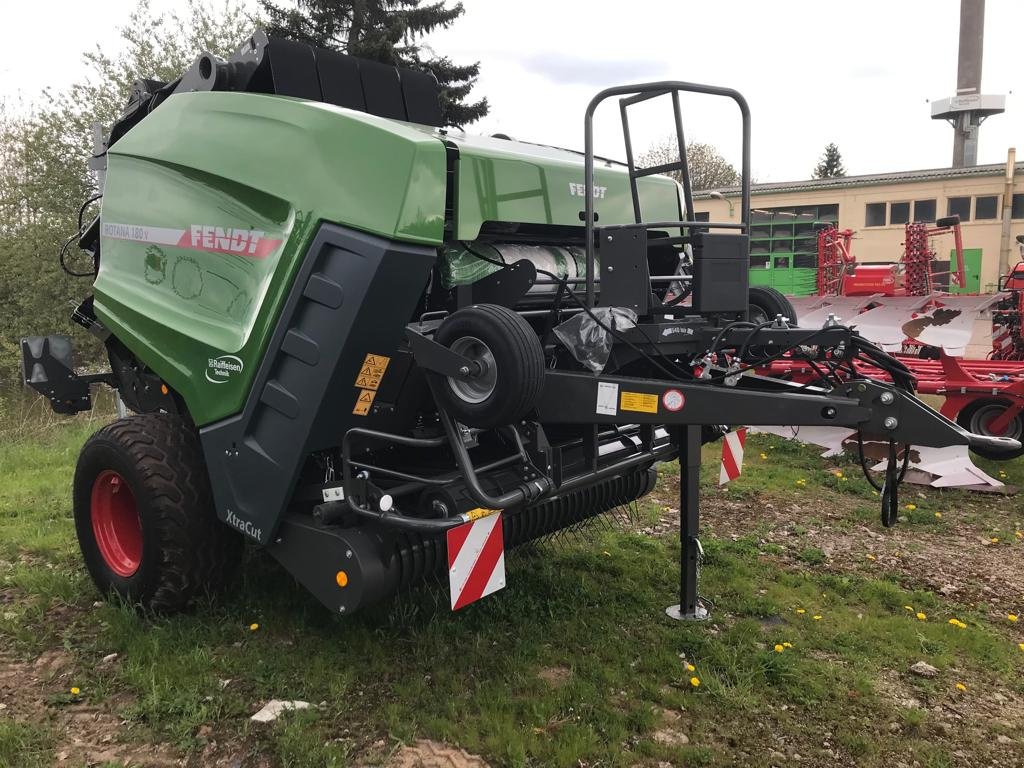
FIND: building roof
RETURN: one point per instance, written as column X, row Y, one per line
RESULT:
column 996, row 169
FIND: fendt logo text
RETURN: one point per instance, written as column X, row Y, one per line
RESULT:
column 580, row 190
column 225, row 239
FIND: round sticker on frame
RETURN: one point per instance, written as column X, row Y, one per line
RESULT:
column 673, row 400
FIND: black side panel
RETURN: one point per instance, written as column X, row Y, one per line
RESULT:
column 339, row 79
column 421, row 98
column 383, row 90
column 353, row 297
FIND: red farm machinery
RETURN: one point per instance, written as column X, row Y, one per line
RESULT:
column 908, row 306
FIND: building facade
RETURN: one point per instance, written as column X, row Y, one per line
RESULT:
column 877, row 207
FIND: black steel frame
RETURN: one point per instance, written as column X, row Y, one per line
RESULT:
column 636, row 94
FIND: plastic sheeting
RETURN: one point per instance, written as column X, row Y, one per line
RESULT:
column 589, row 342
column 462, row 266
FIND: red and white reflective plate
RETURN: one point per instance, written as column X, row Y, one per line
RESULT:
column 476, row 560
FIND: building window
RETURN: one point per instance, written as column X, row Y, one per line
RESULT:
column 702, row 215
column 1017, row 210
column 899, row 213
column 959, row 206
column 986, row 207
column 874, row 215
column 924, row 210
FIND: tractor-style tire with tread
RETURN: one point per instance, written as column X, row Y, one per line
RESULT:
column 976, row 416
column 518, row 362
column 185, row 550
column 765, row 303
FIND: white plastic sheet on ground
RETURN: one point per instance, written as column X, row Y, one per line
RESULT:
column 952, row 467
column 949, row 467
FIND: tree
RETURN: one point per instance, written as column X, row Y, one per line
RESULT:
column 708, row 169
column 44, row 151
column 386, row 31
column 831, row 164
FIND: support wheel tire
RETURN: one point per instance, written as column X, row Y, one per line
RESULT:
column 975, row 417
column 144, row 514
column 765, row 303
column 511, row 364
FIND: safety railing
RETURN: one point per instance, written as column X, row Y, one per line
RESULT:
column 643, row 92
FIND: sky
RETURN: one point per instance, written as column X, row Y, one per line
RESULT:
column 858, row 73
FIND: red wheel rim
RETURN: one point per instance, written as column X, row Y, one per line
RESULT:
column 116, row 524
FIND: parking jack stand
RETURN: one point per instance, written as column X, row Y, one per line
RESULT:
column 690, row 607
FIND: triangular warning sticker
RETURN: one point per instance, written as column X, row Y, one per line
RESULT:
column 370, row 360
column 366, row 397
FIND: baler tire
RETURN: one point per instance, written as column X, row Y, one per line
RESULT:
column 770, row 302
column 969, row 419
column 183, row 551
column 518, row 365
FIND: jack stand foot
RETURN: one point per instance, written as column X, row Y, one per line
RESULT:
column 700, row 613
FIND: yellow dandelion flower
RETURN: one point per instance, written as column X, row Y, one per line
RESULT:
column 954, row 622
column 816, row 617
column 253, row 627
column 695, row 682
column 801, row 610
column 1011, row 617
column 961, row 687
column 994, row 539
column 764, row 456
column 911, row 507
column 779, row 648
column 690, row 668
column 870, row 557
column 75, row 691
column 787, row 645
column 921, row 616
column 909, row 608
column 1019, row 534
column 1021, row 646
column 961, row 625
column 938, row 514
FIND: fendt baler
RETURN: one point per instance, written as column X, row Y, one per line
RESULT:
column 349, row 334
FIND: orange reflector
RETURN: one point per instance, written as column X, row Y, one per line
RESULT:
column 163, row 389
column 342, row 578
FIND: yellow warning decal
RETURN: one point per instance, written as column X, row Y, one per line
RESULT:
column 363, row 402
column 476, row 514
column 638, row 401
column 372, row 371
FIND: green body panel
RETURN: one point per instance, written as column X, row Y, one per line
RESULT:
column 972, row 271
column 212, row 201
column 244, row 163
column 508, row 181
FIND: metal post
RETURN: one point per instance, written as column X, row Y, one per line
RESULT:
column 690, row 607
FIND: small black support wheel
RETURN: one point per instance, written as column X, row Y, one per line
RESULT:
column 765, row 303
column 977, row 417
column 144, row 514
column 509, row 361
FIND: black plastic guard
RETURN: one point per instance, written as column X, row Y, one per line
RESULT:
column 353, row 296
column 48, row 369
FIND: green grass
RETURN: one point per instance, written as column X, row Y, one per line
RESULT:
column 410, row 669
column 24, row 745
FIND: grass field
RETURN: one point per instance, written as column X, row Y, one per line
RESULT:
column 573, row 664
